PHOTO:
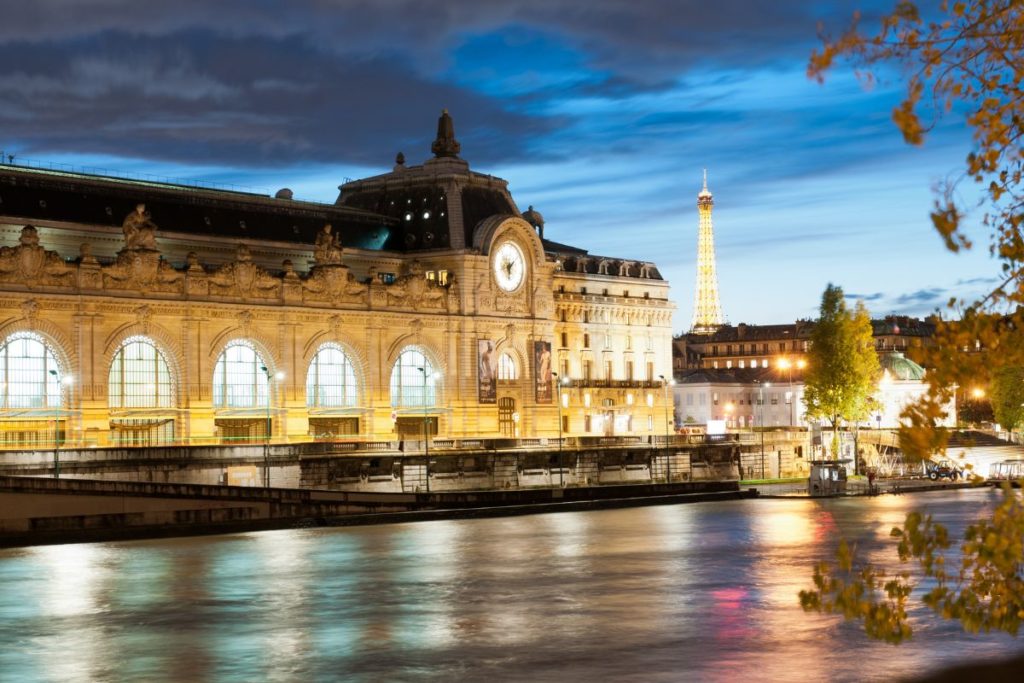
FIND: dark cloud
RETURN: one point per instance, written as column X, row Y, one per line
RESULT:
column 876, row 296
column 191, row 96
column 931, row 295
column 243, row 82
column 977, row 281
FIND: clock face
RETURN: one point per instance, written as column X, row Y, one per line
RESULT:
column 509, row 266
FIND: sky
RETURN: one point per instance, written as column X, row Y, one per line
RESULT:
column 601, row 114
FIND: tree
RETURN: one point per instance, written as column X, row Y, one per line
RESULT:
column 1007, row 392
column 842, row 366
column 969, row 59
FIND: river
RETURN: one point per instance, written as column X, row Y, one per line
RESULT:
column 699, row 592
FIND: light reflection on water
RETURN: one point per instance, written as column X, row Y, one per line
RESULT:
column 687, row 592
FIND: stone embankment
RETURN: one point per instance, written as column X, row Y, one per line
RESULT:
column 36, row 510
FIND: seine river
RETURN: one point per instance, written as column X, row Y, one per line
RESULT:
column 701, row 592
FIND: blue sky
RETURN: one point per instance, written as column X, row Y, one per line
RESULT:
column 600, row 114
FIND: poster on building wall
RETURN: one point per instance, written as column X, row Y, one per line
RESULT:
column 542, row 370
column 487, row 371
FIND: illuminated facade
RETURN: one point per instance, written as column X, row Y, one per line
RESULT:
column 707, row 310
column 139, row 313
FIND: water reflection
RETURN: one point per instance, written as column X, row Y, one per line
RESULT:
column 699, row 592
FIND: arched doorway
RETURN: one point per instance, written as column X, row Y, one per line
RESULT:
column 414, row 395
column 140, row 394
column 34, row 392
column 507, row 416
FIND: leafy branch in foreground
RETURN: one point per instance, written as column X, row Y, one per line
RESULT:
column 966, row 58
column 985, row 594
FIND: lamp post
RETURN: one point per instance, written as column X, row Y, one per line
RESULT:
column 558, row 400
column 800, row 365
column 787, row 365
column 760, row 418
column 668, row 425
column 426, row 432
column 266, row 436
column 66, row 380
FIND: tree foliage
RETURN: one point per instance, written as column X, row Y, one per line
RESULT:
column 842, row 366
column 985, row 594
column 1007, row 394
column 968, row 60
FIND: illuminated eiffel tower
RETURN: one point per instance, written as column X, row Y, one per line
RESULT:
column 707, row 311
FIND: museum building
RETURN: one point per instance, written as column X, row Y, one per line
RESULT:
column 146, row 313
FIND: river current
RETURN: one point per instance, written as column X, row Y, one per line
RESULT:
column 698, row 592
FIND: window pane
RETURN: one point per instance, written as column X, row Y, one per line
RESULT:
column 412, row 380
column 139, row 376
column 331, row 380
column 239, row 380
column 507, row 367
column 29, row 373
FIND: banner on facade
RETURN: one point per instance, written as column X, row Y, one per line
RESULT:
column 487, row 371
column 542, row 370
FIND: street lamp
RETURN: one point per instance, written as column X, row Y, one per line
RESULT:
column 426, row 427
column 266, row 436
column 558, row 399
column 760, row 418
column 668, row 425
column 67, row 381
column 787, row 365
column 800, row 365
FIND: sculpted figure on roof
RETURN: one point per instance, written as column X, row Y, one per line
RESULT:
column 327, row 248
column 139, row 229
column 30, row 264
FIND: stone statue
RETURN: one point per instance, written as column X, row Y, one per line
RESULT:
column 30, row 264
column 139, row 229
column 327, row 248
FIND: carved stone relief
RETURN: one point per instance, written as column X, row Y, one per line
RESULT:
column 333, row 283
column 31, row 265
column 243, row 278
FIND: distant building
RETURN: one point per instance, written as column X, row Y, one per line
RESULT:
column 765, row 346
column 773, row 396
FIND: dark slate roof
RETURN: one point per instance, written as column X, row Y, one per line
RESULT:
column 890, row 325
column 775, row 375
column 40, row 195
column 417, row 202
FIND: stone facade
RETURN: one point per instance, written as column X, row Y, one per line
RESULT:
column 85, row 285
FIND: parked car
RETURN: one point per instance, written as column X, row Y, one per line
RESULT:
column 944, row 470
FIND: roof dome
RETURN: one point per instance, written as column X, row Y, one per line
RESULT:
column 533, row 217
column 901, row 368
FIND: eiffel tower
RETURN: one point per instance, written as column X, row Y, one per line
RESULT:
column 707, row 311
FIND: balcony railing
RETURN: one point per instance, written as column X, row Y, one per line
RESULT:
column 612, row 383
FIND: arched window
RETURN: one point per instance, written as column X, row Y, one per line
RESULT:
column 507, row 368
column 29, row 372
column 240, row 378
column 331, row 381
column 139, row 376
column 412, row 380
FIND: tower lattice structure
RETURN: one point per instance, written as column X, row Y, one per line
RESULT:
column 707, row 311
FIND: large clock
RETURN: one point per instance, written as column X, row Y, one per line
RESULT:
column 509, row 266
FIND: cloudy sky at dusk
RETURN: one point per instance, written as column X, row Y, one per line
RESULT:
column 601, row 114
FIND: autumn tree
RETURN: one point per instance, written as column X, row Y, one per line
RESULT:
column 967, row 60
column 1007, row 395
column 842, row 366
